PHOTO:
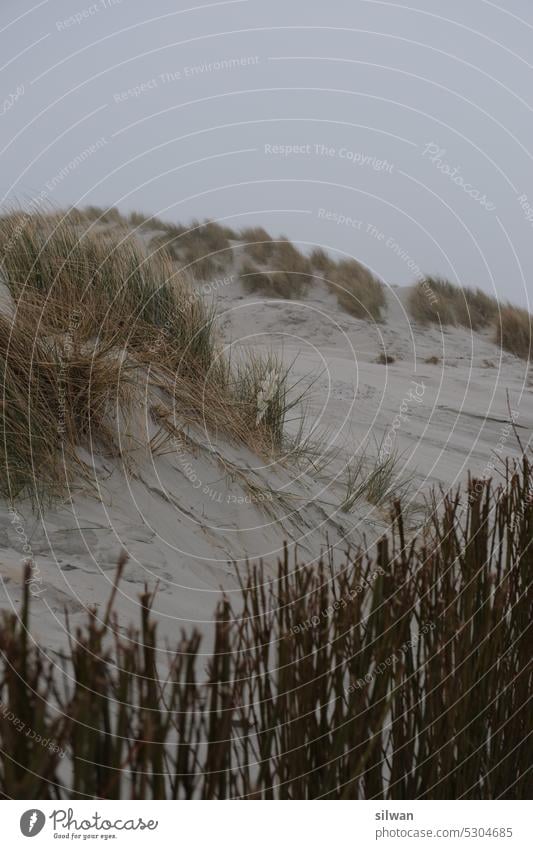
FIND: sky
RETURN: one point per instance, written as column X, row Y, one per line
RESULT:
column 396, row 133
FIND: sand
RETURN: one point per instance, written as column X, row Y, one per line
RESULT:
column 190, row 519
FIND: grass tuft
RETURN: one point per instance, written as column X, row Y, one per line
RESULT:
column 97, row 322
column 436, row 300
column 357, row 290
column 258, row 244
column 514, row 331
column 321, row 261
column 375, row 479
column 279, row 272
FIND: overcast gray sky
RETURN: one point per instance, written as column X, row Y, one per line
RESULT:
column 397, row 133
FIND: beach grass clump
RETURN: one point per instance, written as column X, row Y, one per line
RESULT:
column 289, row 259
column 28, row 446
column 56, row 396
column 321, row 261
column 286, row 273
column 202, row 249
column 358, row 291
column 138, row 219
column 103, row 215
column 142, row 221
column 256, row 281
column 475, row 309
column 208, row 236
column 246, row 400
column 258, row 244
column 429, row 302
column 96, row 326
column 385, row 359
column 103, row 285
column 436, row 300
column 263, row 389
column 377, row 479
column 203, row 267
column 217, row 236
column 405, row 674
column 514, row 331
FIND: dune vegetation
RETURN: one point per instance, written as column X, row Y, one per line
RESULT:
column 203, row 250
column 258, row 244
column 276, row 268
column 91, row 319
column 358, row 291
column 286, row 273
column 436, row 300
column 266, row 266
column 404, row 675
column 93, row 323
column 321, row 261
column 514, row 331
column 95, row 327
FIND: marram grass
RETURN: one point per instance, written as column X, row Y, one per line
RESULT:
column 93, row 324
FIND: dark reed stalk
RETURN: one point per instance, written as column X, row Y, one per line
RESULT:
column 404, row 675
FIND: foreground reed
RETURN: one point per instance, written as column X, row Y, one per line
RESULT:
column 404, row 675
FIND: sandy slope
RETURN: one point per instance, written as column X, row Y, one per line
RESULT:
column 457, row 411
column 186, row 520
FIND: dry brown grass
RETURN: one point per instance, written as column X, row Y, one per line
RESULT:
column 105, row 284
column 213, row 236
column 321, row 261
column 286, row 274
column 475, row 309
column 103, row 215
column 258, row 244
column 426, row 302
column 357, row 290
column 288, row 259
column 202, row 250
column 439, row 301
column 256, row 281
column 405, row 674
column 290, row 269
column 96, row 323
column 202, row 266
column 55, row 399
column 140, row 220
column 385, row 359
column 435, row 300
column 271, row 267
column 277, row 269
column 514, row 331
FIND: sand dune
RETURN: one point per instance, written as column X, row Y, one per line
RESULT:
column 191, row 515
